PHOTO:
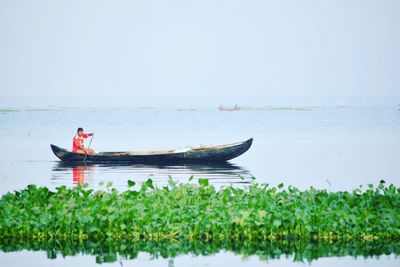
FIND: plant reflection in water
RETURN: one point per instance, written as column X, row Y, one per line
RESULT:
column 110, row 251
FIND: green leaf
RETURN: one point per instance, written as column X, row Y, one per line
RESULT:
column 262, row 213
column 203, row 182
column 131, row 183
column 171, row 182
column 149, row 183
column 381, row 185
column 277, row 223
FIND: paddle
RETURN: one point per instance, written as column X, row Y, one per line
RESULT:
column 89, row 146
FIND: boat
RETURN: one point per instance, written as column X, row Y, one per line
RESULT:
column 222, row 108
column 221, row 153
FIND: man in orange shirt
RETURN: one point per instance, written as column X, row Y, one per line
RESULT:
column 77, row 143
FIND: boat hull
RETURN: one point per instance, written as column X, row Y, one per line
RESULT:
column 195, row 155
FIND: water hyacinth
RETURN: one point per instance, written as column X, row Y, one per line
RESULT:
column 191, row 212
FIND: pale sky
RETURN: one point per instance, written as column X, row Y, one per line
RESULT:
column 202, row 52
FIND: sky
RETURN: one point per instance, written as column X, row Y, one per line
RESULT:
column 206, row 52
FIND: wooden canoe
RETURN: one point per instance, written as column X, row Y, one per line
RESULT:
column 219, row 153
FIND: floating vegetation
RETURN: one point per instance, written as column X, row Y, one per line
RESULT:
column 188, row 212
column 290, row 109
column 10, row 110
column 43, row 109
column 273, row 108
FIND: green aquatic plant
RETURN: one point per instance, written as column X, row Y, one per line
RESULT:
column 190, row 212
column 276, row 108
column 7, row 110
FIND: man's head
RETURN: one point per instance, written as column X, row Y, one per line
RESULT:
column 80, row 131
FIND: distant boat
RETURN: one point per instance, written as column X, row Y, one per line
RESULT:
column 235, row 108
column 220, row 153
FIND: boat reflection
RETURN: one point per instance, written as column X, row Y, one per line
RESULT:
column 118, row 174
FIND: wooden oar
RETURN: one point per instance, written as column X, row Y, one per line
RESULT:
column 89, row 146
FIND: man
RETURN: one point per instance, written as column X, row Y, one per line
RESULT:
column 77, row 142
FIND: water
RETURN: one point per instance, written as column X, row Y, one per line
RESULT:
column 337, row 148
column 39, row 259
column 326, row 147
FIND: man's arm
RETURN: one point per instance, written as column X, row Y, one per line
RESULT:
column 85, row 135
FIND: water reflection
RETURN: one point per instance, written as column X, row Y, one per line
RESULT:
column 218, row 174
column 111, row 251
column 79, row 172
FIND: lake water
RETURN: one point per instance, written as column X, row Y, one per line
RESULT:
column 337, row 148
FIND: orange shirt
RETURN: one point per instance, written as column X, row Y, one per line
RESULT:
column 78, row 141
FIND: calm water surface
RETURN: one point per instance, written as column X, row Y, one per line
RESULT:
column 337, row 148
